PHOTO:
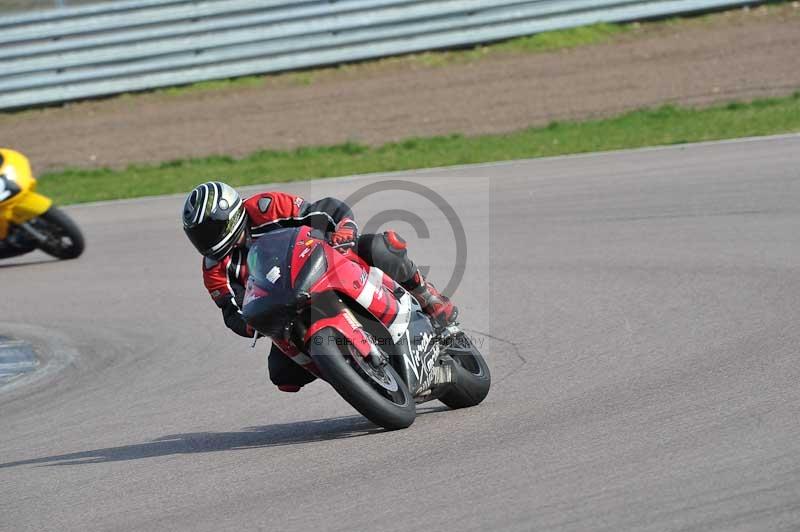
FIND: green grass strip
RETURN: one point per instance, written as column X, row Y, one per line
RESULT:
column 663, row 126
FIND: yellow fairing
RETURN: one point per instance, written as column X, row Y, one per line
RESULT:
column 18, row 200
column 30, row 206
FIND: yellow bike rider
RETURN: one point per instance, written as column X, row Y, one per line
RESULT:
column 29, row 220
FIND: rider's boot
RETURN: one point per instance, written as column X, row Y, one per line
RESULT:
column 435, row 305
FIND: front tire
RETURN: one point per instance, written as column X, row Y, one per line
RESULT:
column 65, row 240
column 379, row 394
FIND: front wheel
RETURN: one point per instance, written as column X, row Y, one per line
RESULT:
column 378, row 393
column 63, row 238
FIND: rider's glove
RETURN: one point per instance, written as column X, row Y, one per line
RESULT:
column 346, row 232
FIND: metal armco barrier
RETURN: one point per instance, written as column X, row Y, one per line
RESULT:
column 95, row 50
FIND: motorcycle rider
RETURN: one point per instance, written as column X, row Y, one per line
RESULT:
column 222, row 226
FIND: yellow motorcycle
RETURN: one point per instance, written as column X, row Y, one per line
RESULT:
column 29, row 220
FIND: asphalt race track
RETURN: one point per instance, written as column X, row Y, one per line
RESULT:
column 640, row 312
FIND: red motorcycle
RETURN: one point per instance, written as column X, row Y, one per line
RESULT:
column 356, row 328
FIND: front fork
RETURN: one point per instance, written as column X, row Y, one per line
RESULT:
column 28, row 229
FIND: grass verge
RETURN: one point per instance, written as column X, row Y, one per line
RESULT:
column 649, row 127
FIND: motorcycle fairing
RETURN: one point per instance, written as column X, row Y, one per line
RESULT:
column 296, row 356
column 270, row 299
column 419, row 350
column 28, row 205
column 310, row 272
column 16, row 176
column 8, row 185
column 19, row 202
column 317, row 267
column 294, row 270
column 284, row 265
column 387, row 301
column 345, row 323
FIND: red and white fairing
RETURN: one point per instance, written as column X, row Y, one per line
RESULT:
column 344, row 273
column 369, row 286
column 378, row 296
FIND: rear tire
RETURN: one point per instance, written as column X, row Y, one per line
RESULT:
column 389, row 409
column 67, row 240
column 471, row 376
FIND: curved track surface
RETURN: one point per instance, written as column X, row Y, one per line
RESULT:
column 644, row 307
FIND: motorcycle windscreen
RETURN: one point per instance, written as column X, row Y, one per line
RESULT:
column 270, row 300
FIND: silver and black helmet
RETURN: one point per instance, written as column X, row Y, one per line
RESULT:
column 214, row 219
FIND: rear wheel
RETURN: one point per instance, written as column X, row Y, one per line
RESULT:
column 377, row 392
column 64, row 239
column 471, row 376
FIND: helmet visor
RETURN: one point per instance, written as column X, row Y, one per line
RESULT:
column 214, row 238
